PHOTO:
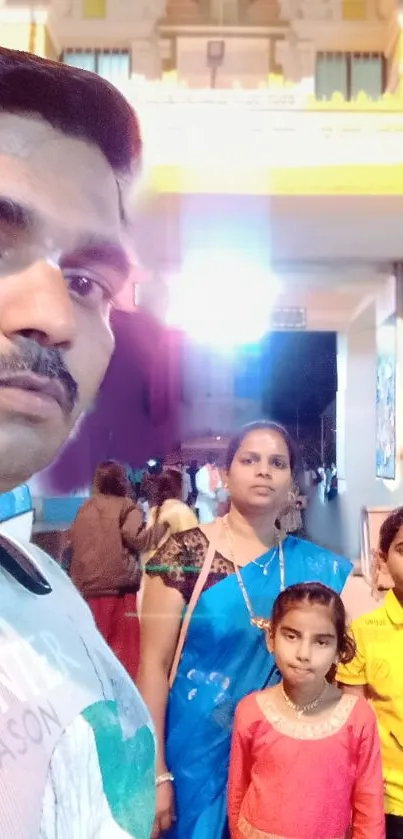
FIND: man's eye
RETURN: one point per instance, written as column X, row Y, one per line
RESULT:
column 87, row 289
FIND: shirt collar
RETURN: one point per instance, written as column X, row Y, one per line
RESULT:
column 394, row 609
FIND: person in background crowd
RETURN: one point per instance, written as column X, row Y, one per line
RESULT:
column 135, row 477
column 186, row 485
column 192, row 472
column 305, row 759
column 331, row 482
column 167, row 507
column 105, row 564
column 224, row 576
column 321, row 484
column 185, row 480
column 377, row 673
column 208, row 485
column 81, row 760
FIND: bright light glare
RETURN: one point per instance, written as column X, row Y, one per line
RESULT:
column 223, row 299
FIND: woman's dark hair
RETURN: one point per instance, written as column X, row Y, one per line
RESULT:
column 110, row 479
column 261, row 425
column 390, row 529
column 78, row 103
column 317, row 593
column 167, row 485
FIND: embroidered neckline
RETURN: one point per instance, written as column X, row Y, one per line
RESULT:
column 303, row 730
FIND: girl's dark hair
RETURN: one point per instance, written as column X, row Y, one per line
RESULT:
column 110, row 479
column 261, row 425
column 167, row 485
column 317, row 593
column 389, row 530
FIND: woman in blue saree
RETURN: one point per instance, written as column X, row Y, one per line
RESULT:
column 224, row 656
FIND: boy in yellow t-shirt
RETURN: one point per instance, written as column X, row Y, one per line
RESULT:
column 377, row 670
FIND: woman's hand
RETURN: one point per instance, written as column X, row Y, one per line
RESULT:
column 165, row 809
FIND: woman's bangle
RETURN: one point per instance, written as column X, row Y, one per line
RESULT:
column 166, row 777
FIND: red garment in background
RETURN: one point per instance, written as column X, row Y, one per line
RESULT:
column 117, row 620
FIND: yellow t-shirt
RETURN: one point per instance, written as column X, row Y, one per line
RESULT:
column 379, row 664
column 177, row 515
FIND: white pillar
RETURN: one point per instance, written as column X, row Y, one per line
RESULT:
column 356, row 424
column 146, row 57
column 357, row 416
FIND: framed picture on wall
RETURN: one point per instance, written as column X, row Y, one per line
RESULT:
column 386, row 400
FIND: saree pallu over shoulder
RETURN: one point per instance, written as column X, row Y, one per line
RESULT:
column 224, row 659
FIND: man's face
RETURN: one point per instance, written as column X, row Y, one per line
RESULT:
column 61, row 264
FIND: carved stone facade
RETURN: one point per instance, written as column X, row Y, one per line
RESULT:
column 260, row 12
column 173, row 35
column 311, row 10
column 131, row 26
column 183, row 12
column 146, row 57
column 139, row 12
column 296, row 57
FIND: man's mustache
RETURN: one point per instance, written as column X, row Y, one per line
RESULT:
column 31, row 357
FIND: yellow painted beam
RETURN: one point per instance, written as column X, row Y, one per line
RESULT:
column 337, row 180
column 94, row 9
column 354, row 10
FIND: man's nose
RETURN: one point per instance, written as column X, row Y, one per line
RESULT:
column 36, row 303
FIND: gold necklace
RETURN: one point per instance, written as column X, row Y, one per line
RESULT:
column 260, row 623
column 300, row 710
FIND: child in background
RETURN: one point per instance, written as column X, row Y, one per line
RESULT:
column 305, row 758
column 377, row 669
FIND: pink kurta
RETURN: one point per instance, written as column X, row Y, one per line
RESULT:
column 305, row 780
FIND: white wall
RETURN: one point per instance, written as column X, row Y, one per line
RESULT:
column 356, row 425
column 210, row 406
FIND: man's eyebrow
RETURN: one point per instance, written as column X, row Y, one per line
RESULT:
column 98, row 250
column 93, row 248
column 16, row 215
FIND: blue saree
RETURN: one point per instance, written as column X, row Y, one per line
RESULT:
column 224, row 659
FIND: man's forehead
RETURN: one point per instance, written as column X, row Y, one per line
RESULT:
column 61, row 175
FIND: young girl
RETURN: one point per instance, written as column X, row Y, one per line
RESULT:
column 377, row 672
column 305, row 758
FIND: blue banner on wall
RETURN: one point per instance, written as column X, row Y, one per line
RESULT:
column 15, row 503
column 248, row 379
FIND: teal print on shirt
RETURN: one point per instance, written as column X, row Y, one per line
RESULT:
column 127, row 766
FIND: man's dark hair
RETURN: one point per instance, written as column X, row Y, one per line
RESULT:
column 78, row 103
